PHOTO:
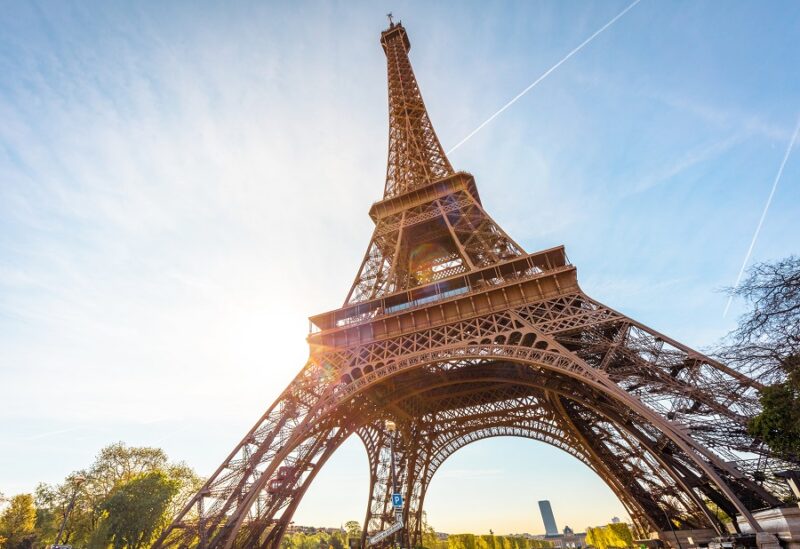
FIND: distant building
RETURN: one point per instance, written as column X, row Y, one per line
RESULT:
column 549, row 520
column 615, row 520
column 568, row 540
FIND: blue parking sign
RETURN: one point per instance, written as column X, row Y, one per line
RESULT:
column 397, row 500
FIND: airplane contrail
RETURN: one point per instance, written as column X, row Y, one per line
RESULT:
column 545, row 75
column 763, row 215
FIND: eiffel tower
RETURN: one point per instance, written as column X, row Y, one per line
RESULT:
column 455, row 334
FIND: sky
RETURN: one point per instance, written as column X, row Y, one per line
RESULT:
column 182, row 184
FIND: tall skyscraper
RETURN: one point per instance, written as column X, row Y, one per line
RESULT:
column 549, row 520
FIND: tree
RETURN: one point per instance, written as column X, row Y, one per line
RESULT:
column 766, row 345
column 137, row 509
column 353, row 529
column 611, row 535
column 338, row 540
column 778, row 424
column 114, row 466
column 768, row 334
column 52, row 504
column 17, row 523
column 429, row 538
column 621, row 534
column 461, row 541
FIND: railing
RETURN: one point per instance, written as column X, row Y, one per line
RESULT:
column 516, row 270
column 426, row 299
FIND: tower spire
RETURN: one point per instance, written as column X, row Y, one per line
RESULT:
column 415, row 155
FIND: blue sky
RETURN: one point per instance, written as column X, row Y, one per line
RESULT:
column 182, row 185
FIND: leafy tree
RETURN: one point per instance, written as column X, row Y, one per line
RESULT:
column 766, row 345
column 52, row 503
column 429, row 538
column 338, row 540
column 17, row 523
column 485, row 542
column 353, row 529
column 317, row 540
column 114, row 466
column 118, row 463
column 137, row 508
column 470, row 541
column 778, row 424
column 461, row 541
column 621, row 534
column 611, row 535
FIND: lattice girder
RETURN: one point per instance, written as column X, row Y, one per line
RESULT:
column 506, row 336
column 455, row 333
column 460, row 422
column 415, row 155
column 440, row 234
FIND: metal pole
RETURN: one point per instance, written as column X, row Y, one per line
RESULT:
column 396, row 536
column 66, row 514
column 669, row 521
column 394, row 473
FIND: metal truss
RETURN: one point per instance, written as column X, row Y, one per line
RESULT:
column 415, row 155
column 456, row 334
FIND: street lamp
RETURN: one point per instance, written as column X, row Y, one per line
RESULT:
column 76, row 481
column 391, row 426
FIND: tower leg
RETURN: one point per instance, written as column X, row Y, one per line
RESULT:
column 380, row 513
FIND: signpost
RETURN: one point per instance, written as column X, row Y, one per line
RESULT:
column 397, row 503
column 397, row 497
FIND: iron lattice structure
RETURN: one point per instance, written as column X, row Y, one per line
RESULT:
column 457, row 334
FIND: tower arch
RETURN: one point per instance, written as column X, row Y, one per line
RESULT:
column 453, row 331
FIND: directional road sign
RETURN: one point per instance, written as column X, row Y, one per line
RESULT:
column 380, row 536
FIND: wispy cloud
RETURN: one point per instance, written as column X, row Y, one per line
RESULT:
column 51, row 434
column 544, row 75
column 693, row 157
column 763, row 214
column 134, row 195
column 181, row 188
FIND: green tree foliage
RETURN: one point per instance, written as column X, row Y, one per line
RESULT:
column 353, row 529
column 766, row 345
column 461, row 541
column 316, row 540
column 115, row 466
column 52, row 503
column 429, row 538
column 778, row 424
column 471, row 541
column 137, row 508
column 17, row 523
column 611, row 535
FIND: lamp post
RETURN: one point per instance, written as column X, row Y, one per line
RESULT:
column 76, row 481
column 391, row 427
